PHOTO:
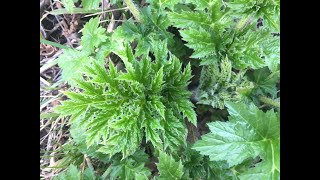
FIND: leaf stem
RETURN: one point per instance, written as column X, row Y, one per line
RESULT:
column 269, row 101
column 133, row 9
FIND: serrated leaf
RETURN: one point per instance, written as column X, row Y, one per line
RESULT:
column 249, row 133
column 93, row 35
column 128, row 169
column 187, row 19
column 157, row 82
column 168, row 167
column 117, row 109
column 72, row 62
column 199, row 40
column 68, row 4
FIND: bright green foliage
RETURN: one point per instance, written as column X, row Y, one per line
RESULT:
column 193, row 163
column 158, row 4
column 218, row 85
column 118, row 108
column 213, row 31
column 255, row 49
column 249, row 133
column 271, row 53
column 90, row 4
column 268, row 10
column 125, row 117
column 68, row 4
column 72, row 173
column 93, row 35
column 72, row 63
column 130, row 168
column 201, row 29
column 153, row 27
column 169, row 168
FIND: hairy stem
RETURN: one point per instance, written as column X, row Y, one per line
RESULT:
column 133, row 9
column 269, row 101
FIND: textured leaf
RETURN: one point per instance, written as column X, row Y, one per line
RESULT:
column 250, row 133
column 68, row 4
column 129, row 168
column 199, row 40
column 268, row 10
column 219, row 84
column 72, row 62
column 93, row 35
column 187, row 19
column 118, row 108
column 265, row 82
column 168, row 167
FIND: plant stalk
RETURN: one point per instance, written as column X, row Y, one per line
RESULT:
column 134, row 10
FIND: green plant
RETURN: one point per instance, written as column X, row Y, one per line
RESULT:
column 147, row 99
column 129, row 100
column 250, row 133
column 219, row 84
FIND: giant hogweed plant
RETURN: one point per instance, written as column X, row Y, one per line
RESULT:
column 118, row 108
column 126, row 115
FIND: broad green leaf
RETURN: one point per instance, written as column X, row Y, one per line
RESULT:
column 249, row 133
column 199, row 40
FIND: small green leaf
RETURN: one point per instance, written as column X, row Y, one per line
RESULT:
column 68, row 4
column 168, row 167
column 93, row 35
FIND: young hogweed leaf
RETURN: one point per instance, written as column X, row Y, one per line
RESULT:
column 93, row 35
column 220, row 84
column 72, row 63
column 117, row 108
column 130, row 168
column 68, row 4
column 169, row 168
column 154, row 26
column 255, row 49
column 249, row 133
column 264, row 82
